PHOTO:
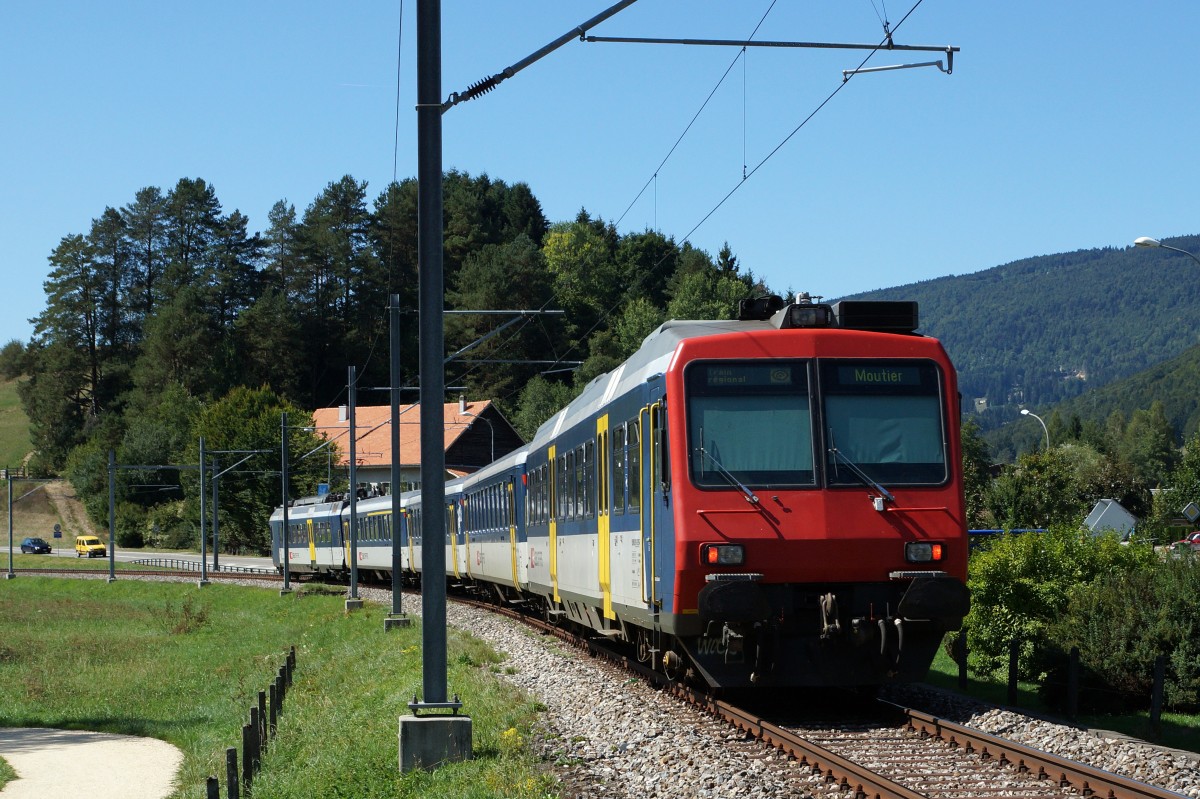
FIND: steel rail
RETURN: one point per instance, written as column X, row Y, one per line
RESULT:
column 1088, row 780
column 848, row 775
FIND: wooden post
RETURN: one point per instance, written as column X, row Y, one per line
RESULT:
column 247, row 755
column 271, row 726
column 1014, row 651
column 212, row 788
column 960, row 657
column 262, row 720
column 1073, row 684
column 1156, row 697
column 255, row 740
column 231, row 772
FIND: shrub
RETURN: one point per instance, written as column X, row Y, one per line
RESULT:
column 1020, row 584
column 1121, row 623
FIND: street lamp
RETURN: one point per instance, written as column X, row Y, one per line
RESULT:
column 1027, row 412
column 1146, row 241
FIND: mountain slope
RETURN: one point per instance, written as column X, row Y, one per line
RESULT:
column 1042, row 330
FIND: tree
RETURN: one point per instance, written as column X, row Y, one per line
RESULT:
column 67, row 365
column 248, row 420
column 1022, row 583
column 234, row 279
column 976, row 463
column 540, row 399
column 267, row 338
column 174, row 336
column 146, row 229
column 1037, row 492
column 1181, row 488
column 192, row 221
column 707, row 294
column 587, row 281
column 639, row 319
column 1149, row 445
column 340, row 299
column 56, row 400
column 13, row 360
column 506, row 276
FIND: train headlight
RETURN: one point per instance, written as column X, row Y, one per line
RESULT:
column 722, row 554
column 923, row 552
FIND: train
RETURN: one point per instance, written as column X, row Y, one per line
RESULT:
column 771, row 501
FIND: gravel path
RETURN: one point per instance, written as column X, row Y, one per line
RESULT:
column 98, row 765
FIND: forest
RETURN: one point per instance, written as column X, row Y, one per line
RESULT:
column 1040, row 331
column 169, row 320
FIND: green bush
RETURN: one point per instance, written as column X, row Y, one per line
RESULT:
column 1021, row 584
column 1121, row 623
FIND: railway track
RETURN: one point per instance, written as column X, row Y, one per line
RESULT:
column 887, row 752
column 895, row 752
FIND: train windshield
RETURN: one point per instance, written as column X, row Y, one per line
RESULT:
column 749, row 422
column 885, row 418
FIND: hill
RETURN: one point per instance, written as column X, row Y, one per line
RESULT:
column 1043, row 330
column 1176, row 382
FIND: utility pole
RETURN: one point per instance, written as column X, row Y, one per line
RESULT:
column 396, row 618
column 353, row 602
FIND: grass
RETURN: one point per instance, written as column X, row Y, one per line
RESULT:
column 1179, row 730
column 183, row 664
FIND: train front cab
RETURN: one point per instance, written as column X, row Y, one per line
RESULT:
column 820, row 533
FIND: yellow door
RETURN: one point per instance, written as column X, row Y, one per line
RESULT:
column 603, row 503
column 553, row 524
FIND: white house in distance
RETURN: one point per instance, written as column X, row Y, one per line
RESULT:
column 475, row 434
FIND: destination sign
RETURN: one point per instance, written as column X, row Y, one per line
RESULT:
column 735, row 375
column 878, row 374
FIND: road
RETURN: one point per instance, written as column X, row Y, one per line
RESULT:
column 129, row 555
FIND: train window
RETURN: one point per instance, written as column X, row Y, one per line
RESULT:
column 635, row 466
column 658, row 442
column 618, row 469
column 495, row 492
column 543, row 494
column 886, row 418
column 560, row 487
column 588, row 476
column 568, row 482
column 510, row 509
column 750, row 423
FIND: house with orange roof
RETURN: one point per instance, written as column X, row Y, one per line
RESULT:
column 475, row 434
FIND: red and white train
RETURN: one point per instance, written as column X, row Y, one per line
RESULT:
column 769, row 501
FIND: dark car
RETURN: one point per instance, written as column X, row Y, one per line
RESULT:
column 35, row 546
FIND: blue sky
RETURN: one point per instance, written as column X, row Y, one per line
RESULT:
column 1065, row 125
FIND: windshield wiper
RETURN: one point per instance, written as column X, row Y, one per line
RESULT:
column 750, row 496
column 858, row 472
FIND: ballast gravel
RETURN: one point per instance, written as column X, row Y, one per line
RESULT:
column 608, row 735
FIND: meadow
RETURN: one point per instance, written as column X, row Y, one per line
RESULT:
column 184, row 664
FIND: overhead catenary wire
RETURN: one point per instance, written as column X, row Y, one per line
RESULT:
column 885, row 44
column 653, row 178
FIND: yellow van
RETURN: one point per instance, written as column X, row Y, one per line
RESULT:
column 89, row 546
